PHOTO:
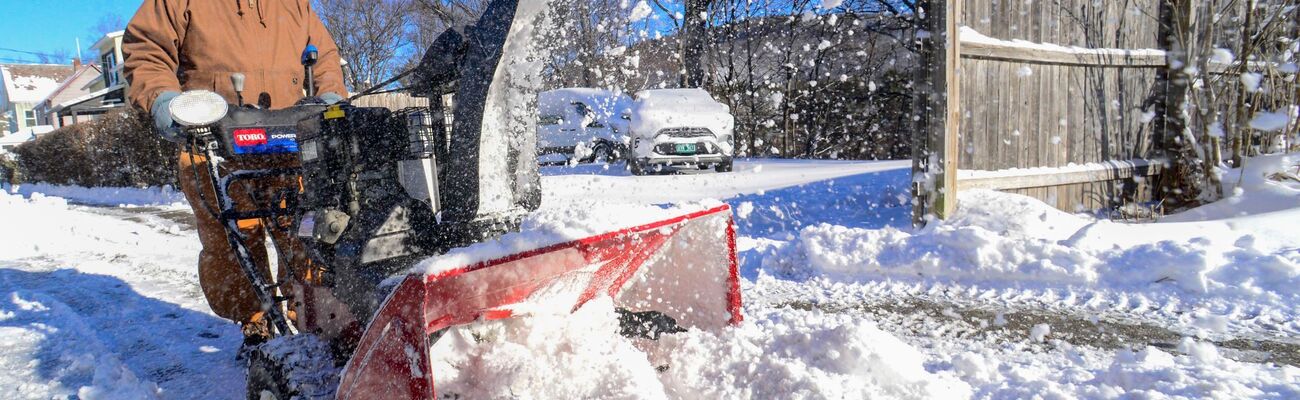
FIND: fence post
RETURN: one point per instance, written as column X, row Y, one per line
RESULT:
column 1179, row 185
column 938, row 108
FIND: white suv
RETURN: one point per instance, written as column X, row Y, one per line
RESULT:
column 678, row 129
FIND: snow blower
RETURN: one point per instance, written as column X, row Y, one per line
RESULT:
column 385, row 190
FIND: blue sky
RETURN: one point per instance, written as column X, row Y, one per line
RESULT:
column 48, row 26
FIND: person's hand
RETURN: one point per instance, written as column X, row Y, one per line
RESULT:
column 330, row 98
column 327, row 98
column 162, row 118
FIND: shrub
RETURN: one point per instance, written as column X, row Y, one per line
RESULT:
column 8, row 170
column 119, row 149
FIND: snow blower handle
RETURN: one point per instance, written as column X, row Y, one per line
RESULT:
column 310, row 56
column 237, row 81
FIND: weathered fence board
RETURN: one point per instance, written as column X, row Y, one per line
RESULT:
column 936, row 148
column 1041, row 178
column 392, row 101
column 1048, row 84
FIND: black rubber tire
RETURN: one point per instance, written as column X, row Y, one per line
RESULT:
column 597, row 149
column 618, row 153
column 292, row 367
column 724, row 167
column 605, row 151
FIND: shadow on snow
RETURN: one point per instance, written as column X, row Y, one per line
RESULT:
column 86, row 322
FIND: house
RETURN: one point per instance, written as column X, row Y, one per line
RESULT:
column 82, row 83
column 23, row 87
column 97, row 95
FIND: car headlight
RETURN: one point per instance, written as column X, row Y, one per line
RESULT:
column 198, row 108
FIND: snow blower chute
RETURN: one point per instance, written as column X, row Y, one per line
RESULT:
column 385, row 190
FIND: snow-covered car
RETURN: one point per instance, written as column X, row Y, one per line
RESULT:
column 583, row 124
column 678, row 129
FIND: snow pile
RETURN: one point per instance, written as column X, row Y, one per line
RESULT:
column 1196, row 371
column 545, row 357
column 779, row 354
column 42, row 225
column 784, row 353
column 1013, row 241
column 556, row 225
column 106, row 196
column 1259, row 195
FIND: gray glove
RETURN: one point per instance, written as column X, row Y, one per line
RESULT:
column 162, row 118
column 330, row 98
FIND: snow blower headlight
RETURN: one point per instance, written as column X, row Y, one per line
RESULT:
column 198, row 108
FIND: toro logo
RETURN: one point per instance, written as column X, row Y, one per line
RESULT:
column 250, row 137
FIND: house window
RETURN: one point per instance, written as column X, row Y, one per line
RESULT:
column 29, row 117
column 107, row 62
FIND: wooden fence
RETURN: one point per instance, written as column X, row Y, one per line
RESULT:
column 1054, row 99
column 392, row 101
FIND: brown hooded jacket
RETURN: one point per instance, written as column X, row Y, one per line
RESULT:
column 178, row 45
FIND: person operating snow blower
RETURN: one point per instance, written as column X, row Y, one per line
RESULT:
column 415, row 221
column 172, row 46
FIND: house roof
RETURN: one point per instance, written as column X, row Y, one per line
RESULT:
column 66, row 84
column 30, row 83
column 103, row 42
column 99, row 94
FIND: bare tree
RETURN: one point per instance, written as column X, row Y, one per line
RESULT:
column 108, row 23
column 60, row 56
column 694, row 35
column 371, row 35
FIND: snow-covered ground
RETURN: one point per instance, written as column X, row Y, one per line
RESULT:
column 843, row 299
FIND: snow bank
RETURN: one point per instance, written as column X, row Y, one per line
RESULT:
column 1259, row 194
column 105, row 196
column 1009, row 241
column 1196, row 371
column 794, row 354
column 778, row 354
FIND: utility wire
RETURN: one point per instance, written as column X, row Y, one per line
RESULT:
column 18, row 60
column 38, row 54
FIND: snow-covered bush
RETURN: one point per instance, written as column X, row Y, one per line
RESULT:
column 119, row 149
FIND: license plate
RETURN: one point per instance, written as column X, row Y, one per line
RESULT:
column 686, row 148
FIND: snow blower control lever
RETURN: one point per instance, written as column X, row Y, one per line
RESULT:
column 310, row 56
column 237, row 82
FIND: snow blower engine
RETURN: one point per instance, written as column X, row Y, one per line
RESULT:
column 383, row 190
